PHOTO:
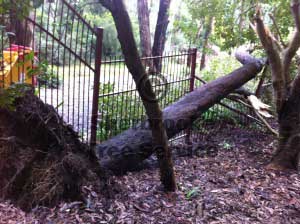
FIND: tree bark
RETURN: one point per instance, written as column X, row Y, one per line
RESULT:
column 286, row 96
column 161, row 32
column 287, row 155
column 125, row 151
column 205, row 42
column 22, row 29
column 137, row 70
column 144, row 25
column 242, row 16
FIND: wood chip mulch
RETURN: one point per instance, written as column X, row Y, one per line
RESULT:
column 231, row 186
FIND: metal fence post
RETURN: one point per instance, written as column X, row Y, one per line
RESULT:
column 193, row 63
column 193, row 69
column 95, row 104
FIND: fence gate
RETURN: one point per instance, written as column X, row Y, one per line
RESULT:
column 69, row 56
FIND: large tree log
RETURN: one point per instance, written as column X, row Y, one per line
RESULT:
column 127, row 150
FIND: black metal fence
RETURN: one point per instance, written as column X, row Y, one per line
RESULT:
column 65, row 63
column 96, row 95
column 120, row 106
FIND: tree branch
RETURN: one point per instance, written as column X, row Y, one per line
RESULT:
column 275, row 41
column 288, row 55
column 261, row 82
column 294, row 44
column 278, row 78
column 277, row 30
column 273, row 131
column 107, row 4
column 296, row 14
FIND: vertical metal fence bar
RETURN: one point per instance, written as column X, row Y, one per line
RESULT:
column 58, row 60
column 89, row 86
column 95, row 104
column 64, row 63
column 193, row 57
column 46, row 47
column 193, row 69
column 81, row 105
column 75, row 75
column 53, row 23
column 165, row 101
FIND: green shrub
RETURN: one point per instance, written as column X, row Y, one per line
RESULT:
column 49, row 80
column 9, row 95
column 46, row 75
column 121, row 111
column 118, row 112
column 219, row 66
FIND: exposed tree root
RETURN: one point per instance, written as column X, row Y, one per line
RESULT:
column 42, row 160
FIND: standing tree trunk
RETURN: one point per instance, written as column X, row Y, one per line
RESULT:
column 160, row 32
column 137, row 70
column 205, row 42
column 286, row 91
column 287, row 155
column 144, row 25
column 22, row 30
column 242, row 14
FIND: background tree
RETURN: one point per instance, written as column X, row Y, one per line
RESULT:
column 161, row 32
column 21, row 30
column 18, row 30
column 206, row 35
column 144, row 25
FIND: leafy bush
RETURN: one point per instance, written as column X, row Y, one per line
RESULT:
column 9, row 95
column 121, row 111
column 49, row 80
column 118, row 112
column 219, row 66
column 46, row 75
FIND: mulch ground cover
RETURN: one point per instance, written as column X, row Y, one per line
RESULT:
column 221, row 179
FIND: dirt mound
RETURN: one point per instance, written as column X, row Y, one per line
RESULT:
column 42, row 160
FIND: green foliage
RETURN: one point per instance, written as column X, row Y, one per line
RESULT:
column 219, row 66
column 121, row 111
column 73, row 33
column 46, row 76
column 49, row 79
column 111, row 45
column 282, row 14
column 226, row 145
column 8, row 96
column 192, row 193
column 219, row 113
column 99, row 17
column 118, row 111
column 19, row 8
column 232, row 20
column 189, row 28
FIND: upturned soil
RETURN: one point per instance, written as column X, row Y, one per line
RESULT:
column 42, row 160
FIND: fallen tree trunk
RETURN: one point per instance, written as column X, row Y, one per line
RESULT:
column 127, row 150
